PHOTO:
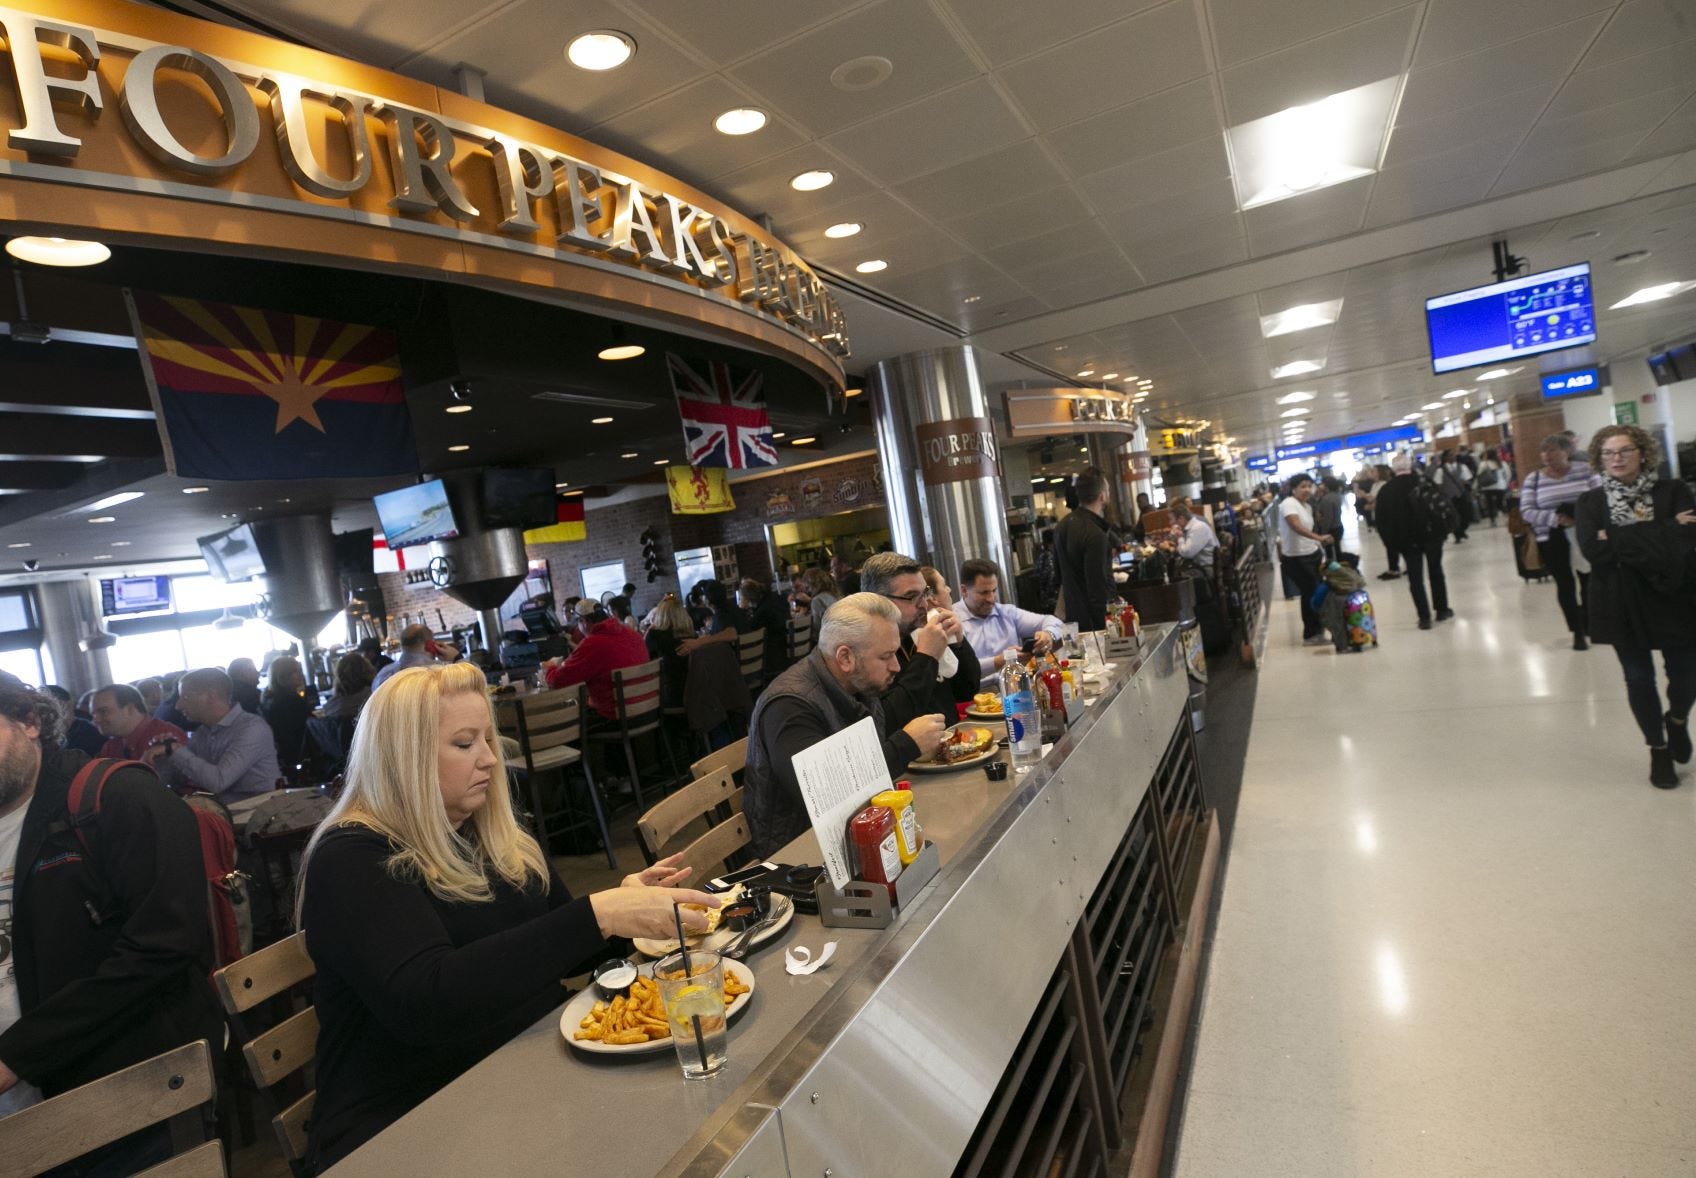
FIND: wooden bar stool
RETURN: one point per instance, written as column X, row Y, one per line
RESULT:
column 751, row 649
column 798, row 637
column 714, row 801
column 546, row 725
column 636, row 700
column 275, row 1054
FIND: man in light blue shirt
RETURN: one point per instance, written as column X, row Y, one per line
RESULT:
column 231, row 753
column 992, row 628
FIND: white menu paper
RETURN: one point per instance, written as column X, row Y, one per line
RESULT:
column 838, row 776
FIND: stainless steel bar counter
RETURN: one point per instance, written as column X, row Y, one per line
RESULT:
column 883, row 1062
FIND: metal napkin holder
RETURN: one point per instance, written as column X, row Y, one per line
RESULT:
column 867, row 905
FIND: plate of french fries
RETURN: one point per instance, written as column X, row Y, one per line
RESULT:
column 635, row 1023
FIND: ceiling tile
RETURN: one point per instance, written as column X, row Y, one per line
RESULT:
column 795, row 77
column 389, row 33
column 1022, row 217
column 676, row 133
column 1660, row 69
column 1168, row 173
column 1561, row 162
column 1508, row 117
column 985, row 313
column 1080, row 289
column 758, row 24
column 1215, row 203
column 906, row 253
column 1454, row 28
column 1678, row 133
column 1362, row 53
column 1085, row 241
column 1641, row 115
column 1243, row 29
column 932, row 133
column 982, row 182
column 1178, row 116
column 1142, row 243
column 1402, row 194
column 1004, row 30
column 764, row 188
column 1142, row 55
column 1479, row 77
column 1223, row 251
column 1640, row 26
column 884, row 219
column 943, row 289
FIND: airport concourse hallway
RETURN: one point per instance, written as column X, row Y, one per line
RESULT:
column 1457, row 934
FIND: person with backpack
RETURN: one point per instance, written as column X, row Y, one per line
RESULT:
column 1547, row 502
column 1413, row 518
column 105, row 936
column 1453, row 479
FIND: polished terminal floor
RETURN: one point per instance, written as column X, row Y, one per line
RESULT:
column 1457, row 932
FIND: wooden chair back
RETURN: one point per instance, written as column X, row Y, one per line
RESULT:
column 731, row 759
column 751, row 649
column 636, row 695
column 55, row 1131
column 275, row 1054
column 707, row 799
column 542, row 720
column 721, row 849
column 798, row 637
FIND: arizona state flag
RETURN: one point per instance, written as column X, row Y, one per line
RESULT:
column 568, row 514
column 699, row 490
column 243, row 393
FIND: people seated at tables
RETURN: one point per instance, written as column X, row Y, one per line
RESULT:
column 353, row 687
column 993, row 627
column 837, row 685
column 416, row 643
column 107, row 939
column 768, row 612
column 619, row 607
column 287, row 705
column 437, row 927
column 608, row 645
column 230, row 753
column 244, row 680
column 371, row 650
column 821, row 594
column 77, row 732
column 152, row 693
column 670, row 629
column 121, row 716
column 846, row 574
column 724, row 616
column 928, row 635
column 1192, row 537
column 168, row 710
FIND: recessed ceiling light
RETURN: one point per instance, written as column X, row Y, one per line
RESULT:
column 600, row 421
column 803, row 441
column 121, row 543
column 852, row 392
column 102, row 556
column 459, row 449
column 1109, row 376
column 1498, row 373
column 1298, row 411
column 873, row 266
column 1302, row 317
column 1454, row 393
column 1083, row 449
column 621, row 352
column 970, row 299
column 1631, row 257
column 862, row 73
column 743, row 120
column 779, row 436
column 57, row 251
column 459, row 409
column 569, row 494
column 662, row 462
column 1295, row 398
column 844, row 229
column 109, row 501
column 195, row 490
column 1297, row 368
column 1651, row 294
column 561, row 486
column 1082, row 372
column 1430, row 405
column 102, row 519
column 1583, row 234
column 812, row 181
column 603, row 49
column 1312, row 146
column 20, row 544
column 632, row 454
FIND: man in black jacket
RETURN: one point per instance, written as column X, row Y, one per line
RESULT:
column 1083, row 548
column 103, row 964
column 1409, row 532
column 938, row 665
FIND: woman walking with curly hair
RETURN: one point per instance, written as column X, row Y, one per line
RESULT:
column 1638, row 530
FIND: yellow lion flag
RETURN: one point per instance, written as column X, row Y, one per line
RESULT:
column 699, row 490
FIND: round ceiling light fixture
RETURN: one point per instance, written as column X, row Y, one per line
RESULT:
column 1295, row 398
column 743, row 120
column 459, row 449
column 813, row 181
column 844, row 229
column 621, row 352
column 459, row 409
column 57, row 251
column 803, row 441
column 862, row 73
column 600, row 50
column 872, row 267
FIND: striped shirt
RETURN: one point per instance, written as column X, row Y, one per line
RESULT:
column 1542, row 492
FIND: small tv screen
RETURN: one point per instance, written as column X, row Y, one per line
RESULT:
column 1665, row 366
column 134, row 595
column 1579, row 382
column 416, row 515
column 233, row 555
column 355, row 556
column 1507, row 320
column 518, row 497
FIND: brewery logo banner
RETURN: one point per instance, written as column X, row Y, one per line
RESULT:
column 958, row 449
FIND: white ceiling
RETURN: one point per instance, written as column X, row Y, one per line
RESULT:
column 1063, row 164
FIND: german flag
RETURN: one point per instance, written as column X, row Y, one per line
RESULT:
column 244, row 393
column 568, row 526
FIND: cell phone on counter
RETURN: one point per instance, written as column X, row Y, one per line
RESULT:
column 729, row 880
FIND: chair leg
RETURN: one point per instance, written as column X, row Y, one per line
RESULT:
column 600, row 811
column 670, row 757
column 538, row 811
column 635, row 775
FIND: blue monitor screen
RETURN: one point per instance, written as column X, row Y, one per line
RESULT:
column 1521, row 317
column 134, row 595
column 416, row 515
column 1580, row 382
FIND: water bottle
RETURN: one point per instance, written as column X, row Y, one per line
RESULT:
column 1018, row 702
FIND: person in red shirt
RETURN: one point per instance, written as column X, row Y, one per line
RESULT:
column 608, row 645
column 121, row 715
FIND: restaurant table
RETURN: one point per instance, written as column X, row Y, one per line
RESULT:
column 912, row 1070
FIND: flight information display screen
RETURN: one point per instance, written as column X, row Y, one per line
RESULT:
column 1521, row 317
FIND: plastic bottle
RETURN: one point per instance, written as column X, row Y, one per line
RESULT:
column 1068, row 681
column 1024, row 727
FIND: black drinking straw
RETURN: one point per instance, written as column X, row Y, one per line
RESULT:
column 689, row 972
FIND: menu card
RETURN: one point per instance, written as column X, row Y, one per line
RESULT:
column 838, row 776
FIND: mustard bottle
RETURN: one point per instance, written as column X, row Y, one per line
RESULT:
column 908, row 837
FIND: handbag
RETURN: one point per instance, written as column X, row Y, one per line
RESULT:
column 1529, row 555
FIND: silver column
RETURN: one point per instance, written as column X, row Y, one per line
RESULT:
column 1104, row 456
column 68, row 613
column 936, row 515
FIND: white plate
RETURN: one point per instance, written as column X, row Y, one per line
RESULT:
column 781, row 905
column 986, row 717
column 928, row 766
column 571, row 1018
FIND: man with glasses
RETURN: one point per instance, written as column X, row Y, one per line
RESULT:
column 930, row 638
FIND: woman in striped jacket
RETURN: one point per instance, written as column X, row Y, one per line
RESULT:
column 1546, row 501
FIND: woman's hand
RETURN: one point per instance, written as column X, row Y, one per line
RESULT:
column 646, row 912
column 664, row 874
column 1601, row 533
column 1686, row 517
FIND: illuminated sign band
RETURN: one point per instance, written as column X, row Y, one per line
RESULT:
column 1367, row 441
column 1579, row 382
column 213, row 128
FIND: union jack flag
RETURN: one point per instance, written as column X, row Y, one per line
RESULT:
column 724, row 414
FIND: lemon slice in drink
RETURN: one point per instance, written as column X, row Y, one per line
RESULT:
column 692, row 1002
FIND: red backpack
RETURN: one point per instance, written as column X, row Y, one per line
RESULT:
column 226, row 889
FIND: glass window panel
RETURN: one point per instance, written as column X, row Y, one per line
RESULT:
column 206, row 646
column 25, row 664
column 14, row 611
column 136, row 656
column 201, row 592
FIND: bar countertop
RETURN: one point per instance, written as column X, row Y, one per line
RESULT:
column 536, row 1106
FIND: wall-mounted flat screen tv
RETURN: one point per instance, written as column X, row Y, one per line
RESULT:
column 1506, row 320
column 134, row 595
column 416, row 515
column 518, row 497
column 233, row 555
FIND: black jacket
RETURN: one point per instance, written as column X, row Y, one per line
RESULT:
column 412, row 990
column 1639, row 594
column 916, row 691
column 1083, row 552
column 111, row 957
column 1396, row 513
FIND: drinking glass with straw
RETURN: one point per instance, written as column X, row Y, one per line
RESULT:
column 692, row 988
